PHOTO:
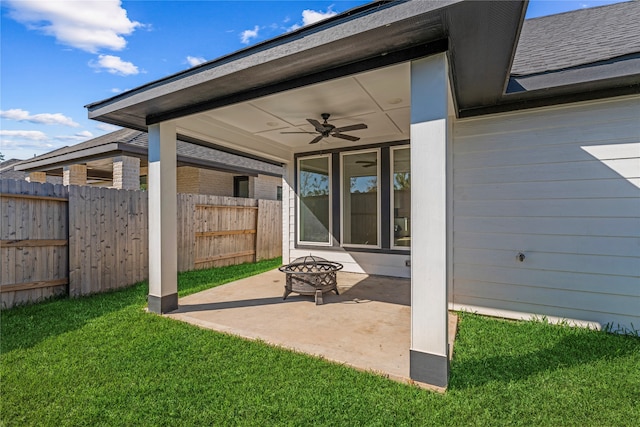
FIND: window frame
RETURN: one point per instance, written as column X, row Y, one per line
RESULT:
column 392, row 195
column 378, row 198
column 236, row 186
column 299, row 241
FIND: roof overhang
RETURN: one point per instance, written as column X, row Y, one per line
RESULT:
column 113, row 149
column 480, row 39
column 101, row 151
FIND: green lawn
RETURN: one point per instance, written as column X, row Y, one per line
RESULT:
column 103, row 361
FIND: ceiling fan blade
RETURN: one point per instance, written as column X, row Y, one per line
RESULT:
column 367, row 163
column 312, row 133
column 316, row 139
column 316, row 124
column 350, row 128
column 347, row 137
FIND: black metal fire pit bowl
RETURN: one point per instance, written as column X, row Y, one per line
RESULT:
column 311, row 275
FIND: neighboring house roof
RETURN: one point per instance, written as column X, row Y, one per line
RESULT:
column 136, row 143
column 7, row 171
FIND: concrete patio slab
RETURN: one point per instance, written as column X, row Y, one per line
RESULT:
column 366, row 327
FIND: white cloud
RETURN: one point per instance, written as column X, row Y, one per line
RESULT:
column 89, row 25
column 312, row 16
column 195, row 60
column 107, row 127
column 247, row 35
column 77, row 137
column 31, row 135
column 37, row 141
column 118, row 90
column 19, row 141
column 114, row 65
column 43, row 118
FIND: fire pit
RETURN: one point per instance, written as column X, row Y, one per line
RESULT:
column 311, row 275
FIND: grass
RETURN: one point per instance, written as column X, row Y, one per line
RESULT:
column 103, row 360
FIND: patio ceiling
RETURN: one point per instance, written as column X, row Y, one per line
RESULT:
column 381, row 99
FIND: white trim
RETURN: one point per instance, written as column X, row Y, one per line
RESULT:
column 363, row 262
column 392, row 194
column 298, row 222
column 378, row 197
column 520, row 315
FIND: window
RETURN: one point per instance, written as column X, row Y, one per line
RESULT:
column 279, row 192
column 360, row 197
column 314, row 184
column 240, row 186
column 401, row 197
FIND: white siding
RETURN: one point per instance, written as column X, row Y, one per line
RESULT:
column 362, row 262
column 288, row 212
column 561, row 185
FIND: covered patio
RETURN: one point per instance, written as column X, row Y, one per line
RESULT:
column 366, row 327
column 394, row 76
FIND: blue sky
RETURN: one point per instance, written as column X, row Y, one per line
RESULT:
column 57, row 56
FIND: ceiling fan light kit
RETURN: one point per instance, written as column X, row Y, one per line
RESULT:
column 326, row 130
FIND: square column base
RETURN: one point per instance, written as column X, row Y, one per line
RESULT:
column 429, row 368
column 161, row 305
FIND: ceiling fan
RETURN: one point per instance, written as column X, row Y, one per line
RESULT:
column 326, row 130
column 367, row 163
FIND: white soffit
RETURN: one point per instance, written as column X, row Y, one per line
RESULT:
column 379, row 98
column 389, row 87
column 249, row 118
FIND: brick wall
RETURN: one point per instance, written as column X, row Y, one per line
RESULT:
column 74, row 175
column 40, row 177
column 216, row 183
column 126, row 173
column 188, row 180
column 204, row 181
column 265, row 187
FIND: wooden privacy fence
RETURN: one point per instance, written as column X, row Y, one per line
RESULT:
column 215, row 231
column 108, row 239
column 33, row 242
column 84, row 240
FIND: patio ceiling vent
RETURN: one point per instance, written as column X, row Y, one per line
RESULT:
column 311, row 275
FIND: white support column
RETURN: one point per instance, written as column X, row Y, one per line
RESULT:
column 429, row 353
column 163, row 252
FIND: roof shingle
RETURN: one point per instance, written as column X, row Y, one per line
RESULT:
column 577, row 38
column 185, row 149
